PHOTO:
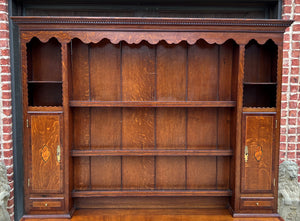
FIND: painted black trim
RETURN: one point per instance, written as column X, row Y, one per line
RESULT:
column 16, row 90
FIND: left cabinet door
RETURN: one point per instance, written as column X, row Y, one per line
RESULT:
column 45, row 168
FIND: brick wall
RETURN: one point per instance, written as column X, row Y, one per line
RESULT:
column 290, row 106
column 6, row 151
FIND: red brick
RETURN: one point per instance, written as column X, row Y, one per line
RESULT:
column 5, row 52
column 283, row 121
column 286, row 17
column 291, row 139
column 7, row 129
column 7, row 146
column 10, row 170
column 282, row 154
column 296, row 17
column 283, row 105
column 294, row 88
column 7, row 137
column 3, row 16
column 3, row 43
column 291, row 155
column 283, row 113
column 8, row 153
column 287, row 9
column 282, row 138
column 294, row 80
column 292, row 121
column 296, row 37
column 285, row 55
column 282, row 146
column 285, row 71
column 4, row 34
column 295, row 61
column 8, row 162
column 286, row 45
column 283, row 97
column 5, row 69
column 287, row 2
column 286, row 37
column 5, row 78
column 6, row 103
column 293, row 104
column 7, row 112
column 4, row 61
column 296, row 54
column 292, row 113
column 291, row 131
column 294, row 97
column 7, row 120
column 296, row 27
column 6, row 86
column 6, row 95
column 296, row 44
column 295, row 70
column 284, row 88
column 285, row 79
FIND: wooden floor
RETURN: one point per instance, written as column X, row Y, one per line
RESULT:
column 155, row 215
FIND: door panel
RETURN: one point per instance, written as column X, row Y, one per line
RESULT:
column 46, row 168
column 258, row 148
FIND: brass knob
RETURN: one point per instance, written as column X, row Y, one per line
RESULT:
column 257, row 204
column 46, row 204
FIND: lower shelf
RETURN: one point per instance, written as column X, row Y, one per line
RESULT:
column 133, row 193
column 154, row 215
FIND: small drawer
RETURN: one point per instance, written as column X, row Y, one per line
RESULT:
column 250, row 203
column 47, row 204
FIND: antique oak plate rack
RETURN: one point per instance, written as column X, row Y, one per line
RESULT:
column 150, row 113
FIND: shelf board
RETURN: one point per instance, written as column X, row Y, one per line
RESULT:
column 44, row 82
column 75, row 103
column 260, row 83
column 135, row 152
column 134, row 193
column 259, row 109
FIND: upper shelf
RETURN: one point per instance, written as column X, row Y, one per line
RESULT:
column 152, row 103
column 152, row 30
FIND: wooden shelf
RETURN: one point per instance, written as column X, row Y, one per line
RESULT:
column 152, row 103
column 134, row 152
column 259, row 109
column 133, row 193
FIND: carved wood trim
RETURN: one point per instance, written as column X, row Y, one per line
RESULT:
column 152, row 30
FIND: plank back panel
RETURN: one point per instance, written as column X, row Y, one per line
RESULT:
column 138, row 173
column 105, row 71
column 203, row 71
column 138, row 72
column 201, row 173
column 105, row 128
column 105, row 173
column 171, row 72
column 80, row 71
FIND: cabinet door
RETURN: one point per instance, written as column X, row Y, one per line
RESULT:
column 258, row 153
column 46, row 174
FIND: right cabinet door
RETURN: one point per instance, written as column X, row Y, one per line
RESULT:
column 258, row 152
